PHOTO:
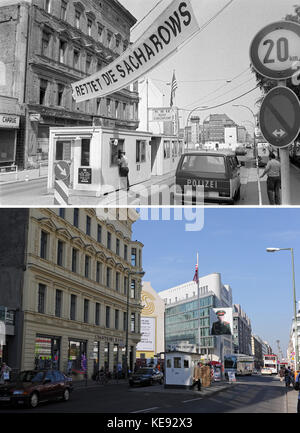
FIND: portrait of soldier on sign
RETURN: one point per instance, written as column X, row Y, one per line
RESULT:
column 220, row 327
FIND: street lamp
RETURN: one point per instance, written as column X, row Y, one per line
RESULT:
column 273, row 250
column 140, row 274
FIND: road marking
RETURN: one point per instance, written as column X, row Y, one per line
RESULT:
column 145, row 410
column 193, row 399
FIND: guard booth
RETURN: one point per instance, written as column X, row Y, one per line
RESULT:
column 91, row 154
column 179, row 369
column 165, row 153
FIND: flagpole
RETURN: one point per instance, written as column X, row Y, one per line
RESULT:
column 198, row 291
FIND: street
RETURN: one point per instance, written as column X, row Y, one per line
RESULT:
column 256, row 394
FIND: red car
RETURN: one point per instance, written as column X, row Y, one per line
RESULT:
column 33, row 386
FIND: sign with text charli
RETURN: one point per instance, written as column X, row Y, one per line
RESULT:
column 173, row 27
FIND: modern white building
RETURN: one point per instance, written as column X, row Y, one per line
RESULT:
column 187, row 315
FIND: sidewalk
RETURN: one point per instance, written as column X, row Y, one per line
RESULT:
column 24, row 175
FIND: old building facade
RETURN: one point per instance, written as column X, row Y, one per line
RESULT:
column 67, row 283
column 55, row 43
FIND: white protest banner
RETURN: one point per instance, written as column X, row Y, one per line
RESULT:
column 173, row 27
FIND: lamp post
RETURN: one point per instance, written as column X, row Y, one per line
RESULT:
column 273, row 250
column 140, row 274
column 255, row 150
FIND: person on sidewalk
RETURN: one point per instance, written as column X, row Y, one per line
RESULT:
column 272, row 169
column 197, row 376
column 123, row 169
column 297, row 388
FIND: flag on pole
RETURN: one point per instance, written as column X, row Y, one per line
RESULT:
column 196, row 276
column 173, row 89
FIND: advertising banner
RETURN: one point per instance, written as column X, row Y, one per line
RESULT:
column 221, row 321
column 173, row 27
column 147, row 342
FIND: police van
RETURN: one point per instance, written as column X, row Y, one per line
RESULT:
column 214, row 173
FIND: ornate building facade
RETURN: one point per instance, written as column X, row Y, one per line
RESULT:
column 54, row 43
column 73, row 285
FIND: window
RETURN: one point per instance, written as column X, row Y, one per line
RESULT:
column 73, row 307
column 88, row 225
column 140, row 151
column 88, row 63
column 107, row 317
column 132, row 322
column 60, row 252
column 125, row 285
column 48, row 6
column 100, row 31
column 77, row 19
column 97, row 313
column 87, row 266
column 74, row 259
column 85, row 152
column 89, row 26
column 108, row 276
column 177, row 362
column 109, row 38
column 43, row 91
column 99, row 233
column 58, row 303
column 117, row 109
column 62, row 212
column 60, row 94
column 133, row 289
column 44, row 245
column 166, row 149
column 45, row 44
column 41, row 298
column 86, row 311
column 63, row 10
column 62, row 51
column 133, row 257
column 76, row 217
column 118, row 247
column 117, row 281
column 98, row 272
column 76, row 58
column 125, row 252
column 116, row 319
column 109, row 240
column 116, row 146
column 108, row 106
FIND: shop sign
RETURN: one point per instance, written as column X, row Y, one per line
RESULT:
column 84, row 175
column 9, row 121
column 162, row 114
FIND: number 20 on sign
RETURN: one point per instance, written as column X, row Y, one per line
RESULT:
column 275, row 50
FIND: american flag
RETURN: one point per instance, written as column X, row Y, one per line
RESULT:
column 173, row 89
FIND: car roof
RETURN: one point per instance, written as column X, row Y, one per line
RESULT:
column 210, row 152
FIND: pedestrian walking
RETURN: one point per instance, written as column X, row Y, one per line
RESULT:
column 123, row 169
column 272, row 170
column 287, row 377
column 297, row 388
column 281, row 374
column 197, row 376
column 4, row 373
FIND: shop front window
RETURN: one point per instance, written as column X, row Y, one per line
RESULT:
column 106, row 356
column 77, row 362
column 47, row 352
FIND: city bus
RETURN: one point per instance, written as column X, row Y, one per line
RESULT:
column 271, row 363
column 241, row 365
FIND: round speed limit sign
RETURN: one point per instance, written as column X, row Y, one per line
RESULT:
column 275, row 50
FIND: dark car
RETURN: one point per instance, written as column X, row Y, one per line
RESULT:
column 146, row 376
column 241, row 151
column 34, row 386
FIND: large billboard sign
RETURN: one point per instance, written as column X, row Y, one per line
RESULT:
column 147, row 343
column 221, row 321
column 174, row 26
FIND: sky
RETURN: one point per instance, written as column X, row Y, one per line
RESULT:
column 232, row 242
column 218, row 53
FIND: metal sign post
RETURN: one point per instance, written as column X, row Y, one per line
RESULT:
column 273, row 53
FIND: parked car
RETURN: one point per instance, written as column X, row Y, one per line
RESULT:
column 146, row 376
column 33, row 386
column 241, row 151
column 218, row 172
